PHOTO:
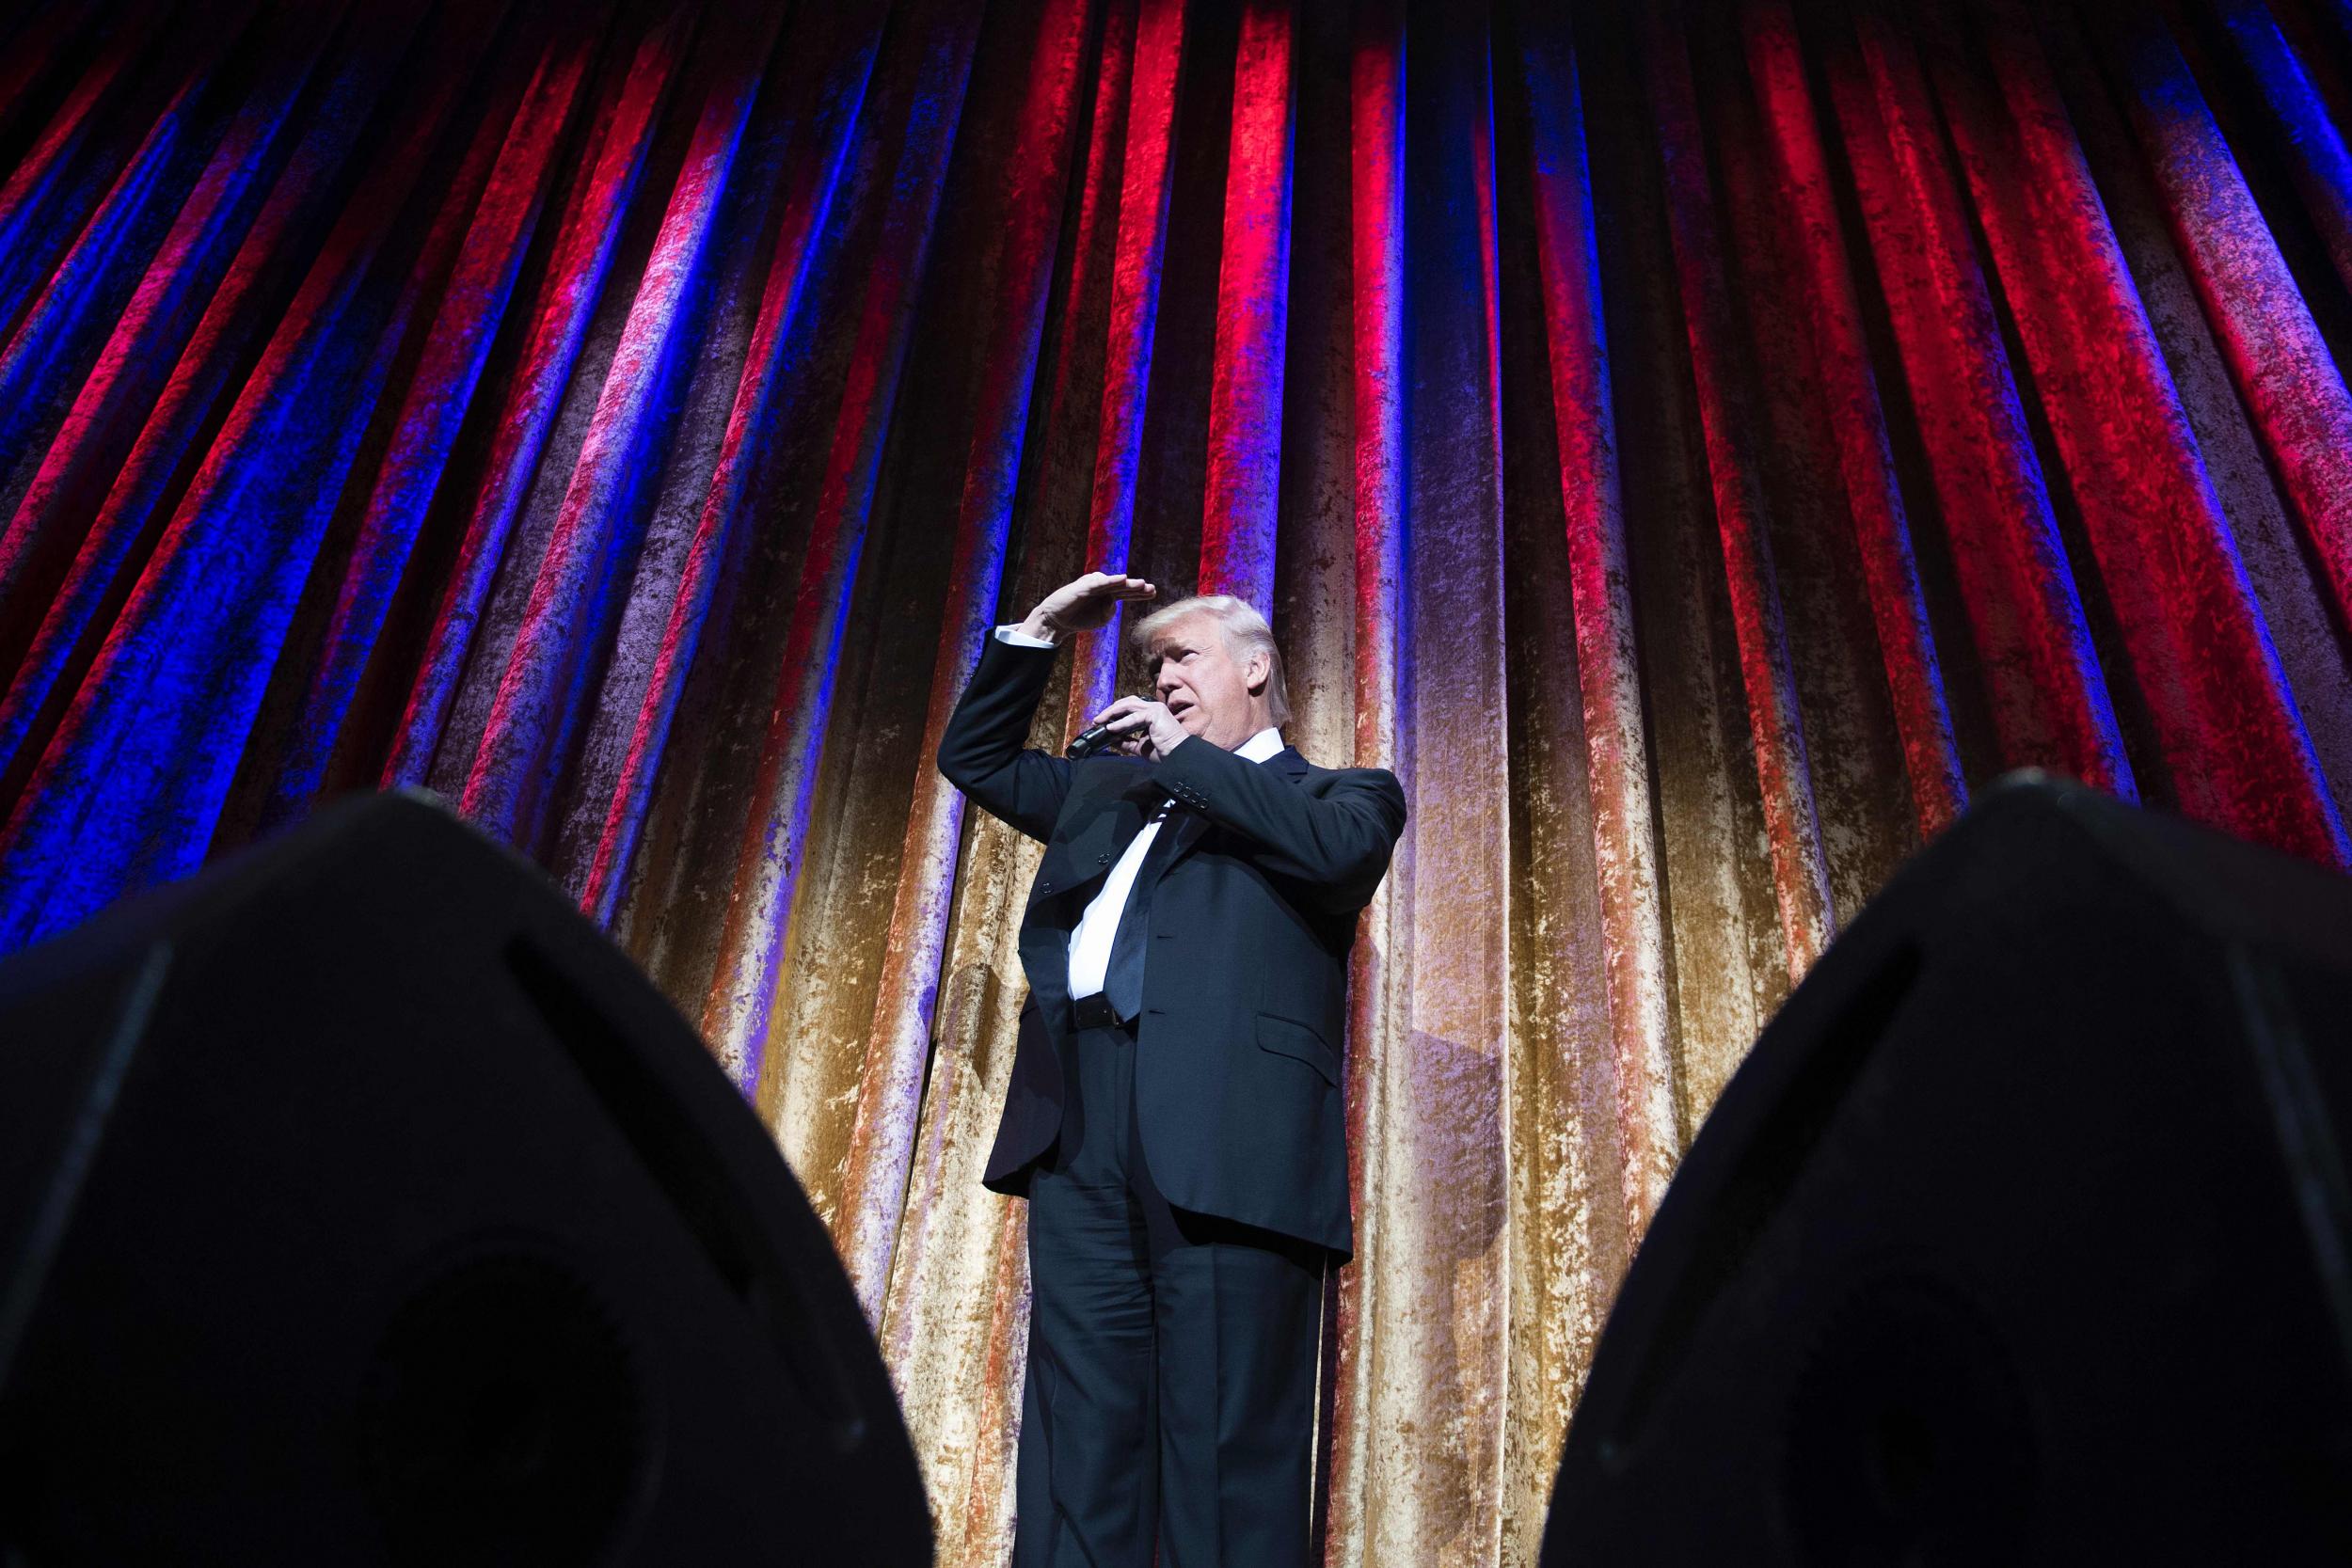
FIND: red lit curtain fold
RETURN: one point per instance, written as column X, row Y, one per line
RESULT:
column 1696, row 445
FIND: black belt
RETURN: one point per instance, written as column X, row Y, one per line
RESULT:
column 1094, row 1012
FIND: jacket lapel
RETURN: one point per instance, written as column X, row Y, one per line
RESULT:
column 1076, row 863
column 1188, row 827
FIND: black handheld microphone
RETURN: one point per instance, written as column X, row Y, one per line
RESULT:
column 1093, row 739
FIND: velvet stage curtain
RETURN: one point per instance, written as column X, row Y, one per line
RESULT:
column 1695, row 445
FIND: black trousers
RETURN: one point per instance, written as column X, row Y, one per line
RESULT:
column 1172, row 1378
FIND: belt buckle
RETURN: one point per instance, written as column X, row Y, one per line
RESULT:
column 1094, row 1012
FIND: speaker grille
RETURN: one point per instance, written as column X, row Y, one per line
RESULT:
column 502, row 1420
column 1908, row 1437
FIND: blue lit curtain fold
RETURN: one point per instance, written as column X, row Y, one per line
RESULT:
column 1696, row 445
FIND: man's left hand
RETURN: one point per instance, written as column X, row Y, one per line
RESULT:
column 1144, row 728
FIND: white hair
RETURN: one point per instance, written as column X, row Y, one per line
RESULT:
column 1246, row 633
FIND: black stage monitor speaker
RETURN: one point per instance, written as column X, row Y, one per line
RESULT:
column 2020, row 1238
column 360, row 1203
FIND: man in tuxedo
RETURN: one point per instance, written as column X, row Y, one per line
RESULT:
column 1175, row 1117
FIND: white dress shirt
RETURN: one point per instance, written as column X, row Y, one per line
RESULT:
column 1090, row 939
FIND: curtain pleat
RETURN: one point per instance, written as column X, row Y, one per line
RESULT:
column 1848, row 393
column 567, row 292
column 1431, row 1281
column 72, row 172
column 1601, row 623
column 448, row 371
column 736, row 1012
column 1378, row 62
column 1729, row 418
column 1697, row 447
column 2045, row 692
column 91, row 444
column 2224, row 721
column 1245, row 456
column 892, row 1056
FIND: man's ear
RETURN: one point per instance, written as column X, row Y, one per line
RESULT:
column 1257, row 671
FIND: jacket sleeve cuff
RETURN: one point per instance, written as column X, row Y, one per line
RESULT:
column 1189, row 771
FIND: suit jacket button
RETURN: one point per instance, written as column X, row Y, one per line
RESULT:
column 1045, row 887
column 1102, row 860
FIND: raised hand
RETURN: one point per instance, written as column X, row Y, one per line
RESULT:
column 1082, row 604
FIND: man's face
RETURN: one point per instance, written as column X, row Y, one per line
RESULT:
column 1194, row 673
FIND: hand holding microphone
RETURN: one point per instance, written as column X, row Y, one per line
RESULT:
column 1139, row 726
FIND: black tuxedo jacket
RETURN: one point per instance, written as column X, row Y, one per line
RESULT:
column 1237, row 1068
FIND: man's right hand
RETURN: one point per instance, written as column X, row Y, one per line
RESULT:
column 1082, row 604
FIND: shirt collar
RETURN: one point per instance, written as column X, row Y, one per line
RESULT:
column 1266, row 743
